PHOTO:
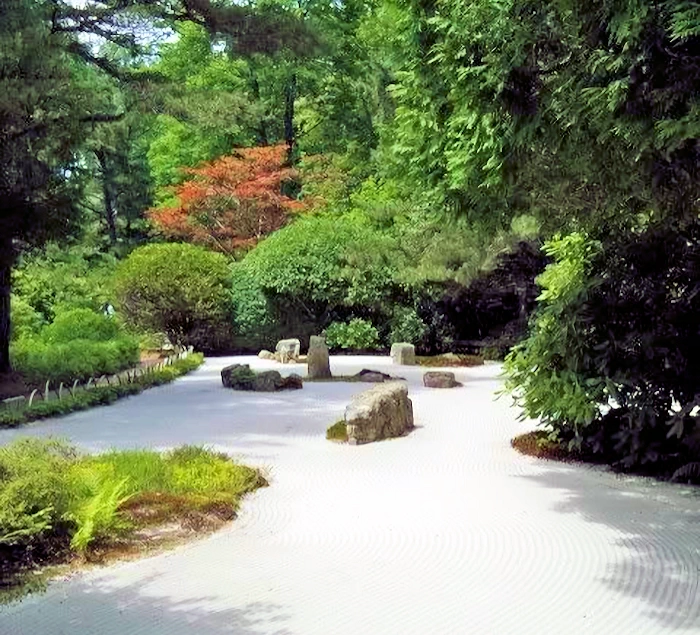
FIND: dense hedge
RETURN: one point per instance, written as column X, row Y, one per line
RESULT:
column 77, row 345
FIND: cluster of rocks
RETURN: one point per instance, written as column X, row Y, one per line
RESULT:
column 242, row 377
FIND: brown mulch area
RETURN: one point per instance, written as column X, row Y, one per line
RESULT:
column 14, row 385
column 538, row 445
column 449, row 360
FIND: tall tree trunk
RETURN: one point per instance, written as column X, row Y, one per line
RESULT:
column 110, row 212
column 7, row 258
column 263, row 138
column 289, row 132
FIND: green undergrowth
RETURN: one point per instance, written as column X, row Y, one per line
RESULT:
column 58, row 505
column 99, row 395
column 337, row 432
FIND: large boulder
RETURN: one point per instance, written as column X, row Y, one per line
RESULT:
column 382, row 412
column 288, row 350
column 241, row 377
column 440, row 379
column 403, row 353
column 318, row 358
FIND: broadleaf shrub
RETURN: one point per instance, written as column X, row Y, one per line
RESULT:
column 407, row 326
column 39, row 361
column 81, row 324
column 357, row 334
column 610, row 365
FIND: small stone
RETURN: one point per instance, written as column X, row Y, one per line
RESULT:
column 440, row 379
column 267, row 355
column 372, row 376
column 288, row 350
column 292, row 382
column 241, row 377
column 403, row 353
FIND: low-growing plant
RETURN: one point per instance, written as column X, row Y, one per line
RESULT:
column 55, row 500
column 357, row 334
column 338, row 431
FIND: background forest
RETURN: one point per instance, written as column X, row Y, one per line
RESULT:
column 518, row 179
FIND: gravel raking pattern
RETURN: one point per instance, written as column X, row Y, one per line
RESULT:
column 447, row 531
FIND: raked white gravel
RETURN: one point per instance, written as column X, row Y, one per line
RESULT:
column 445, row 531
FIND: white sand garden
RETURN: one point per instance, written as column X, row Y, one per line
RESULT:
column 445, row 531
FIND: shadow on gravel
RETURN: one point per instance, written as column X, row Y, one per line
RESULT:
column 130, row 610
column 661, row 540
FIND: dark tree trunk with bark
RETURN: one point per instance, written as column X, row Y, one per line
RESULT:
column 7, row 258
column 263, row 138
column 110, row 212
column 289, row 132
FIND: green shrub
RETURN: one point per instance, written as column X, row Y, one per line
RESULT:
column 407, row 326
column 40, row 361
column 357, row 334
column 177, row 289
column 610, row 366
column 26, row 322
column 33, row 492
column 254, row 321
column 56, row 279
column 545, row 370
column 80, row 324
column 338, row 431
column 50, row 494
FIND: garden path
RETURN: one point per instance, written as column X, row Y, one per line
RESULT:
column 446, row 531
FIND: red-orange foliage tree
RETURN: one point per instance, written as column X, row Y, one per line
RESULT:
column 232, row 202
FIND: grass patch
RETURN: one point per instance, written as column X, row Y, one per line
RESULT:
column 341, row 378
column 538, row 444
column 100, row 395
column 337, row 432
column 59, row 506
column 449, row 360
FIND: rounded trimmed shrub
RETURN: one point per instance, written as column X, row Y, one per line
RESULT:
column 177, row 289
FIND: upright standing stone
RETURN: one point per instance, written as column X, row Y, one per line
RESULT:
column 318, row 359
column 403, row 353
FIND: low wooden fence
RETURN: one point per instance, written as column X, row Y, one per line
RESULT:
column 49, row 393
